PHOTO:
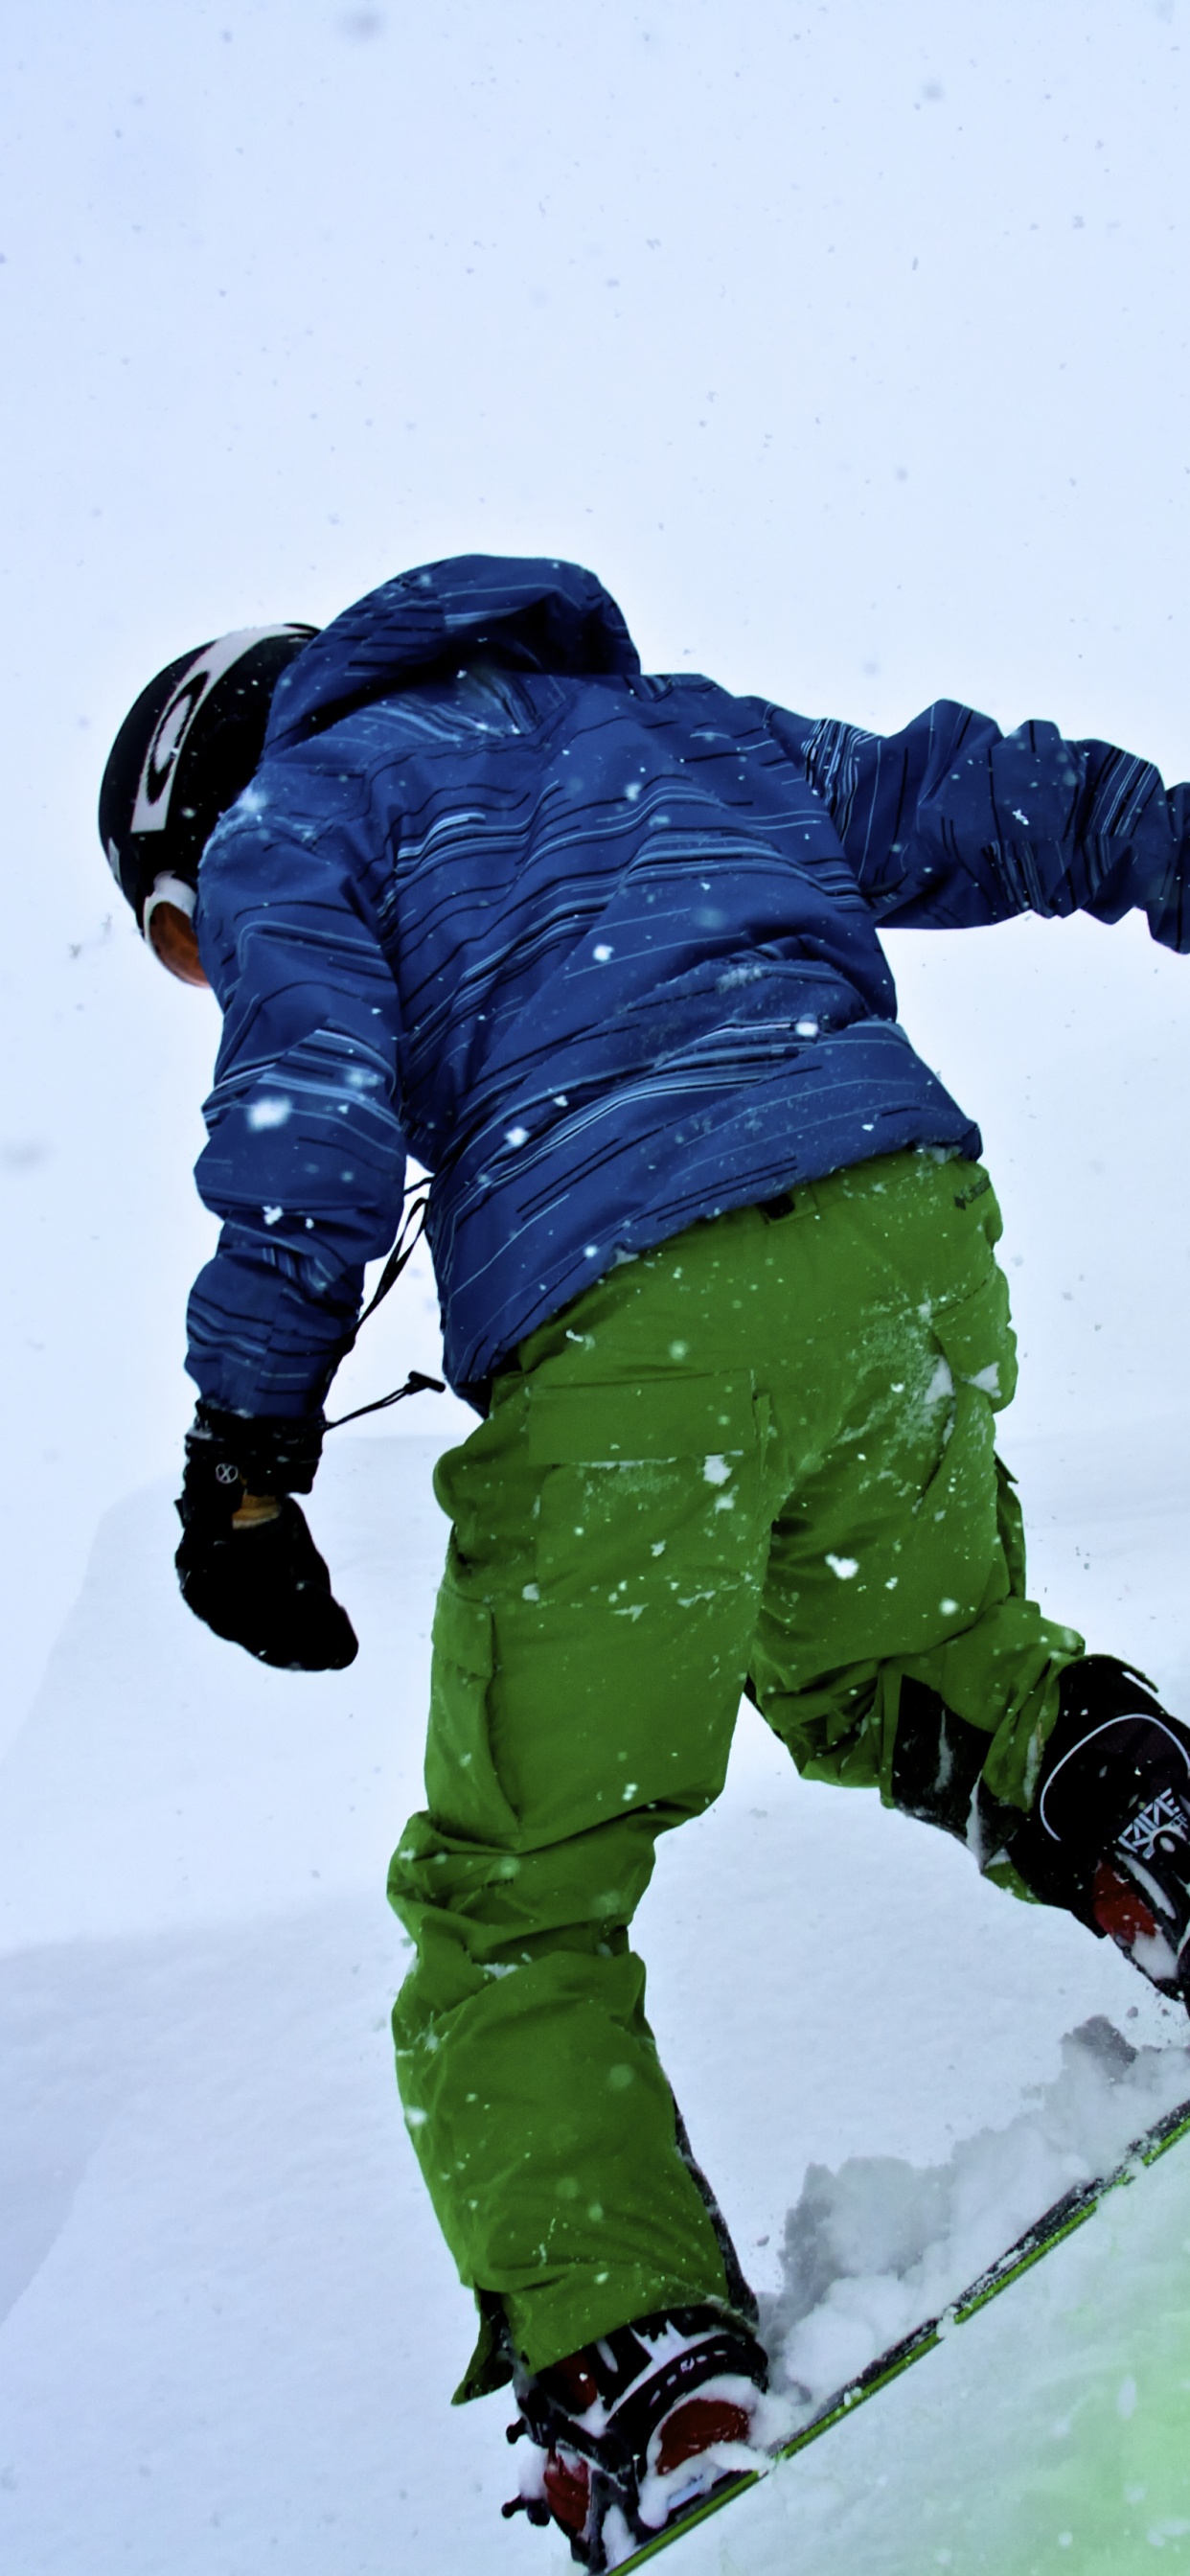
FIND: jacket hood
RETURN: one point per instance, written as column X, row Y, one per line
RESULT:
column 531, row 614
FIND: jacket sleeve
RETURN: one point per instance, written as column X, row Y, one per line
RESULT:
column 951, row 823
column 305, row 1162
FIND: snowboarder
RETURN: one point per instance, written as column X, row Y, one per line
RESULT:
column 716, row 1258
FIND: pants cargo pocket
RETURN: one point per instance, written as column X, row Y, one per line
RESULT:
column 465, row 1793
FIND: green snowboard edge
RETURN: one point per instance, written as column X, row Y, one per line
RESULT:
column 1052, row 2228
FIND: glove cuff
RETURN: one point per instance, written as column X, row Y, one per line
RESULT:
column 229, row 1455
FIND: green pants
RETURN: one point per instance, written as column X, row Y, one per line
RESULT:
column 759, row 1458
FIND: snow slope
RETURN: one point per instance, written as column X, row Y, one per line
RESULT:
column 846, row 342
column 1048, row 2432
column 231, row 2332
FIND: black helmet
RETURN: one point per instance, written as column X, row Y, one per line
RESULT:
column 184, row 753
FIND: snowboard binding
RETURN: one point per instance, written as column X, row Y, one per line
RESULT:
column 638, row 2427
column 1109, row 1831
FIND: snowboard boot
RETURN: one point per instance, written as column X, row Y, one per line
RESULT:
column 638, row 2428
column 1108, row 1835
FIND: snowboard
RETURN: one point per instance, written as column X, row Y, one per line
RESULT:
column 1055, row 2226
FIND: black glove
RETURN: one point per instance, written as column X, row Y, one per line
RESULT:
column 262, row 1584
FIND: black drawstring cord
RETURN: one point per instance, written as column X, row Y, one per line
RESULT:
column 412, row 1229
column 415, row 1384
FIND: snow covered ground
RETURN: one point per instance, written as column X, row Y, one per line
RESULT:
column 1046, row 2432
column 231, row 2331
column 846, row 342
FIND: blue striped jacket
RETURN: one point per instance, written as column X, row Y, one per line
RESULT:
column 599, row 950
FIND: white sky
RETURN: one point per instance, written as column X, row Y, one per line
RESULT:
column 847, row 343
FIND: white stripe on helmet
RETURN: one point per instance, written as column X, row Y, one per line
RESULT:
column 151, row 810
